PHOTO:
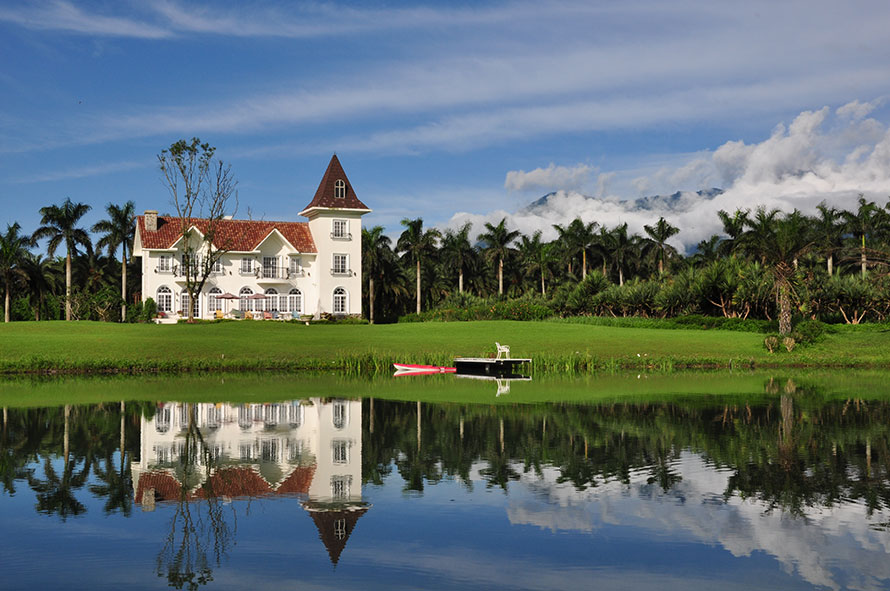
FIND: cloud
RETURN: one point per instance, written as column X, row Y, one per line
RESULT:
column 549, row 179
column 59, row 15
column 797, row 166
column 82, row 172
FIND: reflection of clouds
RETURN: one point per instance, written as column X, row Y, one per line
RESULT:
column 831, row 546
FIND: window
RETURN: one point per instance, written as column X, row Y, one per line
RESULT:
column 192, row 263
column 341, row 264
column 184, row 304
column 246, row 266
column 341, row 230
column 272, row 299
column 340, row 528
column 340, row 189
column 245, row 303
column 296, row 266
column 217, row 266
column 340, row 486
column 340, row 451
column 339, row 301
column 339, row 417
column 165, row 263
column 270, row 267
column 164, row 299
column 295, row 301
column 213, row 301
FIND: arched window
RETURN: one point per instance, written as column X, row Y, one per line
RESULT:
column 272, row 299
column 164, row 299
column 245, row 303
column 295, row 301
column 340, row 304
column 340, row 189
column 213, row 301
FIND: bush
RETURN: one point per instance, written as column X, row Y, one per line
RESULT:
column 808, row 331
column 149, row 310
column 467, row 307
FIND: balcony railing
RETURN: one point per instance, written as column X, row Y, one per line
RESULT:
column 341, row 236
column 341, row 272
column 285, row 274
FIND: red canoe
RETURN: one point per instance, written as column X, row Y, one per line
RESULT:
column 407, row 368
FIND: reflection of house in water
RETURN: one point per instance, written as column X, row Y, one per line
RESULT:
column 310, row 448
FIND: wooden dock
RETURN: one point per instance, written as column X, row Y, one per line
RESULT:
column 488, row 366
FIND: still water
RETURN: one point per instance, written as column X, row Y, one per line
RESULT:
column 771, row 483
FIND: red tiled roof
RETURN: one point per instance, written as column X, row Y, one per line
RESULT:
column 238, row 481
column 325, row 197
column 166, row 487
column 298, row 482
column 237, row 235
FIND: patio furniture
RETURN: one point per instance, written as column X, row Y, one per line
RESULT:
column 275, row 315
column 236, row 314
column 295, row 315
column 248, row 315
column 502, row 350
column 267, row 315
column 219, row 315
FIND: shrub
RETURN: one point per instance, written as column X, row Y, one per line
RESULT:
column 808, row 331
column 149, row 310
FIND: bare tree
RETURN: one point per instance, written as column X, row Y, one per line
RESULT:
column 203, row 191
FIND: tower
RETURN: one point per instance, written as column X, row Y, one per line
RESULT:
column 335, row 221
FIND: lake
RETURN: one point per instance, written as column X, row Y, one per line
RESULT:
column 624, row 481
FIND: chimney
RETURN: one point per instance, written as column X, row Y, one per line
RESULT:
column 151, row 220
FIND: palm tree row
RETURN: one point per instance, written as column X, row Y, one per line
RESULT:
column 25, row 274
column 787, row 247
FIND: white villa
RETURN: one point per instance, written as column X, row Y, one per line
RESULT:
column 292, row 268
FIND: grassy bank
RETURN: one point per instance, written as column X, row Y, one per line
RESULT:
column 692, row 388
column 554, row 347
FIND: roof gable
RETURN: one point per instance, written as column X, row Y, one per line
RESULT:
column 326, row 195
column 231, row 235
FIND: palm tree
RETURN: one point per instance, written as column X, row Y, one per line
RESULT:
column 865, row 222
column 536, row 257
column 761, row 231
column 707, row 251
column 497, row 241
column 576, row 239
column 622, row 248
column 785, row 241
column 59, row 225
column 417, row 244
column 13, row 253
column 458, row 250
column 659, row 233
column 733, row 227
column 41, row 275
column 375, row 246
column 119, row 230
column 828, row 231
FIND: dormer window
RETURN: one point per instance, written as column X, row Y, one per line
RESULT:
column 340, row 189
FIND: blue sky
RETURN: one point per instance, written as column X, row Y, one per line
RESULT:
column 453, row 112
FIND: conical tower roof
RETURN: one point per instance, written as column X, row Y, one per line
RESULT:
column 331, row 196
column 335, row 525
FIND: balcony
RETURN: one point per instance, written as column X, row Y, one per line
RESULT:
column 341, row 272
column 345, row 236
column 275, row 275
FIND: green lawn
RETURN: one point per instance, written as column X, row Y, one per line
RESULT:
column 257, row 345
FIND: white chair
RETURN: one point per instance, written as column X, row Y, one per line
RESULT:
column 502, row 350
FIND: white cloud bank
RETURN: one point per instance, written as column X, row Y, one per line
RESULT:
column 820, row 156
column 549, row 179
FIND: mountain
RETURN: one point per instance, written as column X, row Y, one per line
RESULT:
column 679, row 201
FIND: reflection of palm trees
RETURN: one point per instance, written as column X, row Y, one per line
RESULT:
column 199, row 533
column 116, row 485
